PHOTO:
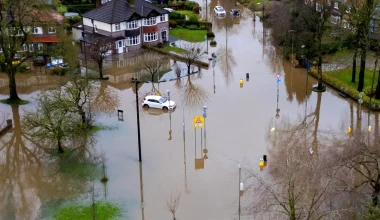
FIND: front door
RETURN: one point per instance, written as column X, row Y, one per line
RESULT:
column 163, row 36
column 120, row 46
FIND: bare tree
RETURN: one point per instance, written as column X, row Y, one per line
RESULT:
column 53, row 119
column 297, row 184
column 107, row 100
column 153, row 64
column 172, row 202
column 80, row 93
column 98, row 50
column 16, row 19
column 195, row 95
column 192, row 53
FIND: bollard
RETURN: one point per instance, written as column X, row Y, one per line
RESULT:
column 247, row 76
column 120, row 115
column 241, row 83
column 369, row 128
column 265, row 158
column 241, row 187
column 349, row 130
column 272, row 129
column 261, row 163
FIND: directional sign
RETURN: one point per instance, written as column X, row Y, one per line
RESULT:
column 278, row 80
column 199, row 122
column 360, row 101
column 278, row 75
column 361, row 95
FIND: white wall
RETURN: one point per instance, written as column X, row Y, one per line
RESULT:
column 77, row 34
column 100, row 25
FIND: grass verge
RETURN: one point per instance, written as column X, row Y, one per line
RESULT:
column 185, row 12
column 103, row 211
column 189, row 35
column 14, row 102
column 62, row 9
column 351, row 91
column 97, row 128
column 344, row 75
column 173, row 49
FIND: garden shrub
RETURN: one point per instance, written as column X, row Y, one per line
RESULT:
column 176, row 15
column 193, row 27
column 80, row 8
column 213, row 43
column 160, row 45
column 189, row 5
column 59, row 71
column 196, row 9
column 368, row 92
column 210, row 34
column 193, row 19
column 172, row 24
column 22, row 68
column 181, row 22
column 180, row 4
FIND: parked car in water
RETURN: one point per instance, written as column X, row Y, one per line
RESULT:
column 235, row 12
column 155, row 101
column 219, row 11
column 169, row 9
column 40, row 60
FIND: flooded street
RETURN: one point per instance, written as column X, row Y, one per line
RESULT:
column 237, row 122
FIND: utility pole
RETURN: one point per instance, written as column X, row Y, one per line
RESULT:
column 138, row 117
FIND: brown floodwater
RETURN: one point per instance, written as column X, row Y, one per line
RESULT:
column 32, row 183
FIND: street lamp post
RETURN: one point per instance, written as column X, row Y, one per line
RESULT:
column 170, row 117
column 138, row 117
column 239, row 188
column 183, row 103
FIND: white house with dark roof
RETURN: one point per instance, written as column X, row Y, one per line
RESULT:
column 128, row 23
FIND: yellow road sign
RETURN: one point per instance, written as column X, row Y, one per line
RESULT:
column 199, row 122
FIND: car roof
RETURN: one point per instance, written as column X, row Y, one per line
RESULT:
column 218, row 6
column 153, row 97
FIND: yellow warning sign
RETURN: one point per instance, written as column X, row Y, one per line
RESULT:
column 199, row 122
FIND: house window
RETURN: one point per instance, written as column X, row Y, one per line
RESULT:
column 51, row 30
column 328, row 2
column 25, row 47
column 130, row 41
column 149, row 21
column 347, row 25
column 318, row 7
column 132, row 25
column 374, row 27
column 19, row 32
column 162, row 18
column 335, row 19
column 148, row 37
column 40, row 46
column 119, row 44
column 336, row 5
column 31, row 47
column 36, row 30
column 117, row 27
column 95, row 28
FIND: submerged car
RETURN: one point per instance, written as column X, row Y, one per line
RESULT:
column 235, row 12
column 155, row 101
column 219, row 11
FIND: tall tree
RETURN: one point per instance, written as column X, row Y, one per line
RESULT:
column 17, row 19
column 98, row 50
column 153, row 64
column 192, row 53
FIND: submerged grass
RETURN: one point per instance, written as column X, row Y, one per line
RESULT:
column 344, row 76
column 97, row 128
column 103, row 211
column 174, row 49
column 189, row 35
column 14, row 102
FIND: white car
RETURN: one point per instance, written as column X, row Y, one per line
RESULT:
column 169, row 9
column 219, row 11
column 155, row 101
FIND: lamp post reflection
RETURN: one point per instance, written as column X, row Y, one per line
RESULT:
column 205, row 151
column 213, row 70
column 184, row 161
column 278, row 95
column 141, row 192
column 170, row 118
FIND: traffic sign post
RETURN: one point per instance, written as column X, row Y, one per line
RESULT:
column 198, row 122
column 360, row 101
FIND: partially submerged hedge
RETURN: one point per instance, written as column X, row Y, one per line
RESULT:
column 353, row 93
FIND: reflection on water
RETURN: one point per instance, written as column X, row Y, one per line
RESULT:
column 28, row 82
column 32, row 181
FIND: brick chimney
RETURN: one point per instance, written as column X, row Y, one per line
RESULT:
column 98, row 3
column 131, row 3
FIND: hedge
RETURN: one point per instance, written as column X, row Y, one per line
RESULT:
column 80, row 8
column 185, row 23
column 353, row 93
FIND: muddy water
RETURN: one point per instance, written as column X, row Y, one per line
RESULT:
column 237, row 121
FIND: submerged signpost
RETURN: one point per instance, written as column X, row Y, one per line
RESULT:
column 198, row 122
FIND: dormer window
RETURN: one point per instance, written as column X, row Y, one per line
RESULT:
column 163, row 18
column 132, row 25
column 117, row 27
column 149, row 21
column 95, row 28
column 51, row 30
column 37, row 30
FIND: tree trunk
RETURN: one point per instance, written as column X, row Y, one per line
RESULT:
column 100, row 64
column 12, row 86
column 353, row 77
column 378, row 87
column 60, row 148
column 375, row 194
column 83, row 115
column 153, row 78
column 188, row 69
column 320, row 79
column 363, row 56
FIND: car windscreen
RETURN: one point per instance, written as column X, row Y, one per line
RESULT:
column 220, row 9
column 163, row 100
